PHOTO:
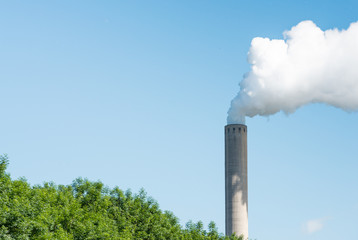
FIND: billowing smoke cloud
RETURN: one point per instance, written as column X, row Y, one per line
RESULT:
column 308, row 66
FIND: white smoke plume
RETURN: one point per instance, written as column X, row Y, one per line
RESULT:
column 307, row 66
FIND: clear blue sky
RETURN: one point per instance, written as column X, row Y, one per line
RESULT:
column 135, row 94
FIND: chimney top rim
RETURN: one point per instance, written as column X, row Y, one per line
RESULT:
column 238, row 124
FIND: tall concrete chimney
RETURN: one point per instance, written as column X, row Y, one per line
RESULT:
column 236, row 201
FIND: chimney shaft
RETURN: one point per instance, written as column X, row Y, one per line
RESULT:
column 236, row 194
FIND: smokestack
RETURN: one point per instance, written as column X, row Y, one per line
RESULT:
column 236, row 199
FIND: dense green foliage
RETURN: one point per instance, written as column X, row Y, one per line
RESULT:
column 86, row 210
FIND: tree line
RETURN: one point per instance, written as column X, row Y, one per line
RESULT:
column 88, row 210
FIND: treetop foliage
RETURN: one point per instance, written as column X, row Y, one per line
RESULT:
column 88, row 210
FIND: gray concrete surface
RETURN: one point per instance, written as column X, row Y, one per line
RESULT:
column 236, row 192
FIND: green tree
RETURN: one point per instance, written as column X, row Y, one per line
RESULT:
column 87, row 210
